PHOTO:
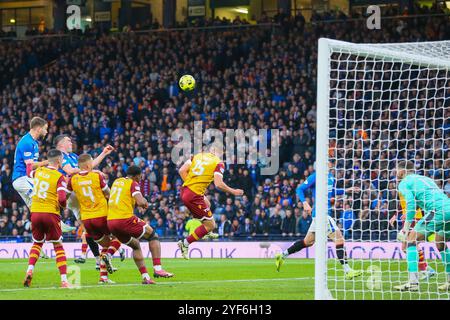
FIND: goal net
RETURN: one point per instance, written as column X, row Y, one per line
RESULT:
column 378, row 104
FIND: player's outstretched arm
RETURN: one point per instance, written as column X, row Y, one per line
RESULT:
column 218, row 182
column 300, row 191
column 184, row 170
column 308, row 183
column 31, row 165
column 70, row 170
column 410, row 205
column 106, row 151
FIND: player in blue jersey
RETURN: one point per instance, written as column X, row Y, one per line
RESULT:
column 422, row 192
column 333, row 231
column 26, row 158
column 70, row 167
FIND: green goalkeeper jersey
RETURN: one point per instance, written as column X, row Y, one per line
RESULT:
column 422, row 192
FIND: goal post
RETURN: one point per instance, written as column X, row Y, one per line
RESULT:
column 376, row 104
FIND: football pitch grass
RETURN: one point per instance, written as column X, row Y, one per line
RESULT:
column 217, row 279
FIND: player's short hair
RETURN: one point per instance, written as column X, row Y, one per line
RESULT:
column 406, row 164
column 53, row 154
column 85, row 157
column 37, row 122
column 60, row 138
column 133, row 171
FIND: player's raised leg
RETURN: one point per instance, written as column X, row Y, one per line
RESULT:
column 207, row 226
column 297, row 246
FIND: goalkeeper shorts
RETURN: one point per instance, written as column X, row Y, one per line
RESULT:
column 434, row 223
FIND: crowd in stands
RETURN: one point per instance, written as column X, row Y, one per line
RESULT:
column 122, row 90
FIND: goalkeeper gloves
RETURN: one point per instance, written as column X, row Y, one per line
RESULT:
column 401, row 235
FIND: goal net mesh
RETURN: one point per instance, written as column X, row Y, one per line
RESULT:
column 387, row 102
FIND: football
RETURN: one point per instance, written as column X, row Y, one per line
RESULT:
column 187, row 82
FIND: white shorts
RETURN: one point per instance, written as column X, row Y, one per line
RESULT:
column 331, row 226
column 24, row 186
column 74, row 205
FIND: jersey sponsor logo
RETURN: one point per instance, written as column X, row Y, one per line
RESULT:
column 27, row 154
column 84, row 183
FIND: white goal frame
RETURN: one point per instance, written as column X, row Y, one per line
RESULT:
column 325, row 48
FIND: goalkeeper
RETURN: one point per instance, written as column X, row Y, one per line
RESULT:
column 422, row 192
column 333, row 231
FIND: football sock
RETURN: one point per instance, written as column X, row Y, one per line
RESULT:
column 103, row 271
column 144, row 273
column 422, row 262
column 157, row 264
column 342, row 257
column 34, row 255
column 199, row 233
column 414, row 277
column 93, row 246
column 114, row 245
column 84, row 247
column 295, row 247
column 412, row 257
column 61, row 262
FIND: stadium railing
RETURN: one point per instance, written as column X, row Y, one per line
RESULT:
column 396, row 17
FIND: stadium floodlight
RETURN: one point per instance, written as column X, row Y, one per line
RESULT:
column 377, row 104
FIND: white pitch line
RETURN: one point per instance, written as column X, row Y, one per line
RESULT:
column 218, row 260
column 161, row 283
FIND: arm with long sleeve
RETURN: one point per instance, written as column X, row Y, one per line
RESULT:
column 308, row 183
column 410, row 202
column 62, row 190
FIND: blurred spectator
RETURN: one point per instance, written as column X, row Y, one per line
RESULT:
column 303, row 223
column 275, row 223
column 247, row 229
column 288, row 225
column 224, row 228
